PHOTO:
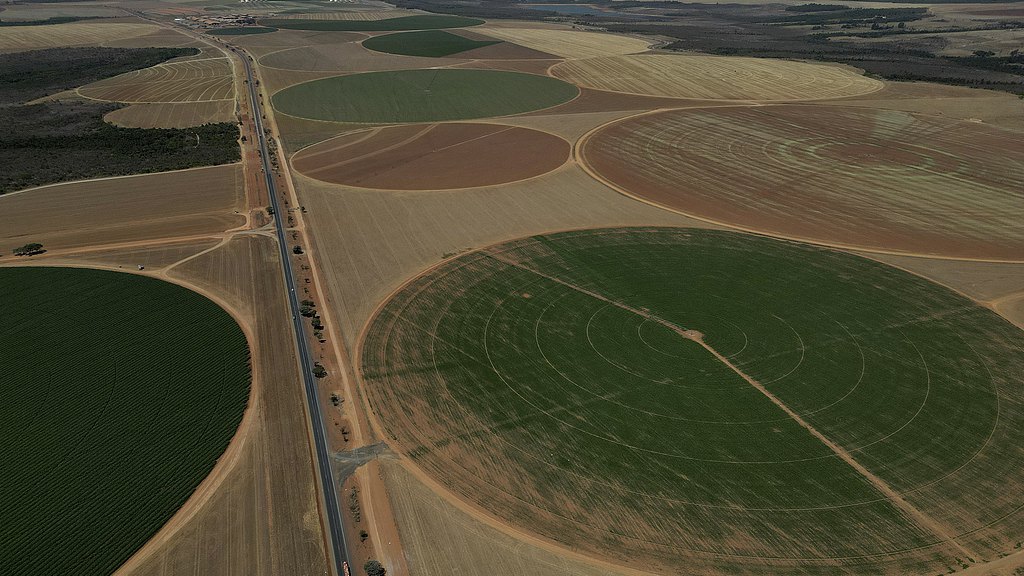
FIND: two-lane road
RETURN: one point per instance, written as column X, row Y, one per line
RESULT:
column 332, row 511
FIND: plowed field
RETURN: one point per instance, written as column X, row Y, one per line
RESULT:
column 716, row 77
column 709, row 402
column 868, row 178
column 435, row 156
column 187, row 81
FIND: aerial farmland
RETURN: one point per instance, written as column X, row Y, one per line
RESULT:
column 423, row 288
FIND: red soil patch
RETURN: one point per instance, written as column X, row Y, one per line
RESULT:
column 433, row 156
column 862, row 178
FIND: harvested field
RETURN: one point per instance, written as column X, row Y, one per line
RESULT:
column 242, row 31
column 429, row 43
column 416, row 22
column 422, row 96
column 436, row 535
column 709, row 402
column 366, row 15
column 21, row 38
column 259, row 516
column 145, row 384
column 433, row 156
column 716, row 77
column 173, row 115
column 997, row 108
column 872, row 179
column 185, row 81
column 197, row 202
column 344, row 57
column 390, row 236
column 152, row 257
column 40, row 11
column 567, row 43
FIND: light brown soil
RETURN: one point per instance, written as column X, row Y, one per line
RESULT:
column 19, row 38
column 153, row 206
column 530, row 66
column 345, row 57
column 185, row 81
column 878, row 180
column 955, row 102
column 433, row 156
column 565, row 42
column 262, row 517
column 176, row 115
column 716, row 77
column 503, row 51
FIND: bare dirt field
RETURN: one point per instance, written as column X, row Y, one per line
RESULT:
column 259, row 515
column 716, row 77
column 173, row 115
column 203, row 201
column 997, row 108
column 433, row 156
column 866, row 178
column 202, row 80
column 566, row 43
column 18, row 38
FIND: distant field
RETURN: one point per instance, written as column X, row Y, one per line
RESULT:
column 75, row 34
column 197, row 80
column 422, row 96
column 245, row 30
column 569, row 43
column 868, row 178
column 426, row 22
column 556, row 382
column 433, row 157
column 716, row 77
column 120, row 394
column 433, row 43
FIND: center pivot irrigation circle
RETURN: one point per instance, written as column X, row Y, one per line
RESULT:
column 618, row 390
column 428, row 95
column 874, row 179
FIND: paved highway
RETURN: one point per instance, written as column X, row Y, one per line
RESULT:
column 331, row 509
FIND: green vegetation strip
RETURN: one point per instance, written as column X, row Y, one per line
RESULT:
column 433, row 43
column 422, row 96
column 548, row 371
column 119, row 395
column 245, row 30
column 426, row 22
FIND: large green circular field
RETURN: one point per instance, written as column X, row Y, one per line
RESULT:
column 119, row 394
column 709, row 402
column 422, row 96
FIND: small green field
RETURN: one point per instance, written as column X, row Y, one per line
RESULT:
column 425, row 22
column 432, row 43
column 422, row 96
column 243, row 31
column 120, row 393
column 549, row 380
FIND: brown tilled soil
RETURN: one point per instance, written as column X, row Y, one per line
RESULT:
column 591, row 100
column 433, row 157
column 529, row 66
column 870, row 179
column 504, row 51
column 111, row 210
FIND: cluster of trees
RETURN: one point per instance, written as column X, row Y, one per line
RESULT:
column 29, row 249
column 61, row 141
column 25, row 76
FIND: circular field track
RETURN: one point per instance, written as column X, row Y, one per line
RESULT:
column 422, row 96
column 874, row 179
column 119, row 395
column 715, row 77
column 433, row 156
column 708, row 402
